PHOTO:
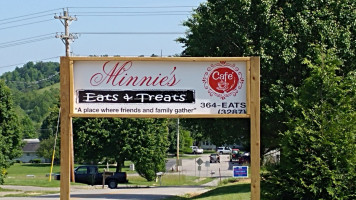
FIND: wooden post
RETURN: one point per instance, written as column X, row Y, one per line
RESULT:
column 255, row 128
column 66, row 128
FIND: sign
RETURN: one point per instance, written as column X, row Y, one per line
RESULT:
column 240, row 171
column 178, row 86
column 200, row 161
column 194, row 87
column 207, row 163
column 199, row 169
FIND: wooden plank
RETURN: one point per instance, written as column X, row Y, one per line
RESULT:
column 255, row 128
column 71, row 107
column 248, row 86
column 66, row 129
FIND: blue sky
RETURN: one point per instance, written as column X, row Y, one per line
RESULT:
column 28, row 28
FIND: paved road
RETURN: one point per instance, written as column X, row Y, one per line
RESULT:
column 152, row 193
column 124, row 193
column 190, row 166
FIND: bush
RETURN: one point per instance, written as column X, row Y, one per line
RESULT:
column 35, row 161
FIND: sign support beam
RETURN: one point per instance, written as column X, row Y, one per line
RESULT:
column 66, row 129
column 255, row 128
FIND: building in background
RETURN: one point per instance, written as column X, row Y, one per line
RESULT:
column 29, row 151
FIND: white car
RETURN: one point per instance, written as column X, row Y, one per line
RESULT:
column 224, row 150
column 196, row 149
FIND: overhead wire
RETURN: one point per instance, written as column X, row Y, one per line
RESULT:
column 14, row 41
column 96, row 13
column 13, row 65
column 19, row 20
column 131, row 7
column 27, row 42
column 26, row 24
column 128, row 33
column 30, row 14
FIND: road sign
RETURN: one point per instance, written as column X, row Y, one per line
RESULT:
column 200, row 161
column 207, row 163
column 199, row 169
column 240, row 171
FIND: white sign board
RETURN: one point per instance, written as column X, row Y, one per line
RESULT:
column 134, row 87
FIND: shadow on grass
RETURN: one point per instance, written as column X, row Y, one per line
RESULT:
column 220, row 192
column 36, row 165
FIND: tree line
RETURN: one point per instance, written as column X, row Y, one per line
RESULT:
column 307, row 50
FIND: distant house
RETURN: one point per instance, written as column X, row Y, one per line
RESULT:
column 207, row 145
column 29, row 151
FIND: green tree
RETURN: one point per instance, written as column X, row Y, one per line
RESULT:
column 282, row 33
column 29, row 131
column 49, row 124
column 318, row 159
column 185, row 139
column 149, row 145
column 46, row 148
column 10, row 131
column 143, row 141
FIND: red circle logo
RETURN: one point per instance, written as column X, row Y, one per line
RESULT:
column 223, row 80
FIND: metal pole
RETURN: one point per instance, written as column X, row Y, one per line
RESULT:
column 177, row 163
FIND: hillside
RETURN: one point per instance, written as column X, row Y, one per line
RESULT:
column 35, row 88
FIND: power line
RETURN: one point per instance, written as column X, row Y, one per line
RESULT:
column 19, row 20
column 26, row 24
column 10, row 18
column 26, row 42
column 128, row 15
column 133, row 7
column 35, row 82
column 12, row 65
column 129, row 33
column 26, row 38
column 134, row 12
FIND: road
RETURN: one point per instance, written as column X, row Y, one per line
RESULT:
column 97, row 193
column 189, row 167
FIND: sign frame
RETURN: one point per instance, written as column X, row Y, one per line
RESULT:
column 247, row 60
column 67, row 108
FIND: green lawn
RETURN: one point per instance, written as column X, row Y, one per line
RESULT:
column 35, row 175
column 236, row 191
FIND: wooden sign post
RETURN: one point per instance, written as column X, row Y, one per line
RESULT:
column 174, row 87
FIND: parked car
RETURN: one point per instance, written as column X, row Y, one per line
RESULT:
column 224, row 150
column 196, row 149
column 235, row 154
column 214, row 158
column 89, row 174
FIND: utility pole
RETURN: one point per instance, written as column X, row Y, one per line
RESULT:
column 66, row 37
column 177, row 162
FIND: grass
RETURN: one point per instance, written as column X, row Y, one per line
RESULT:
column 31, row 193
column 236, row 191
column 7, row 190
column 17, row 175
